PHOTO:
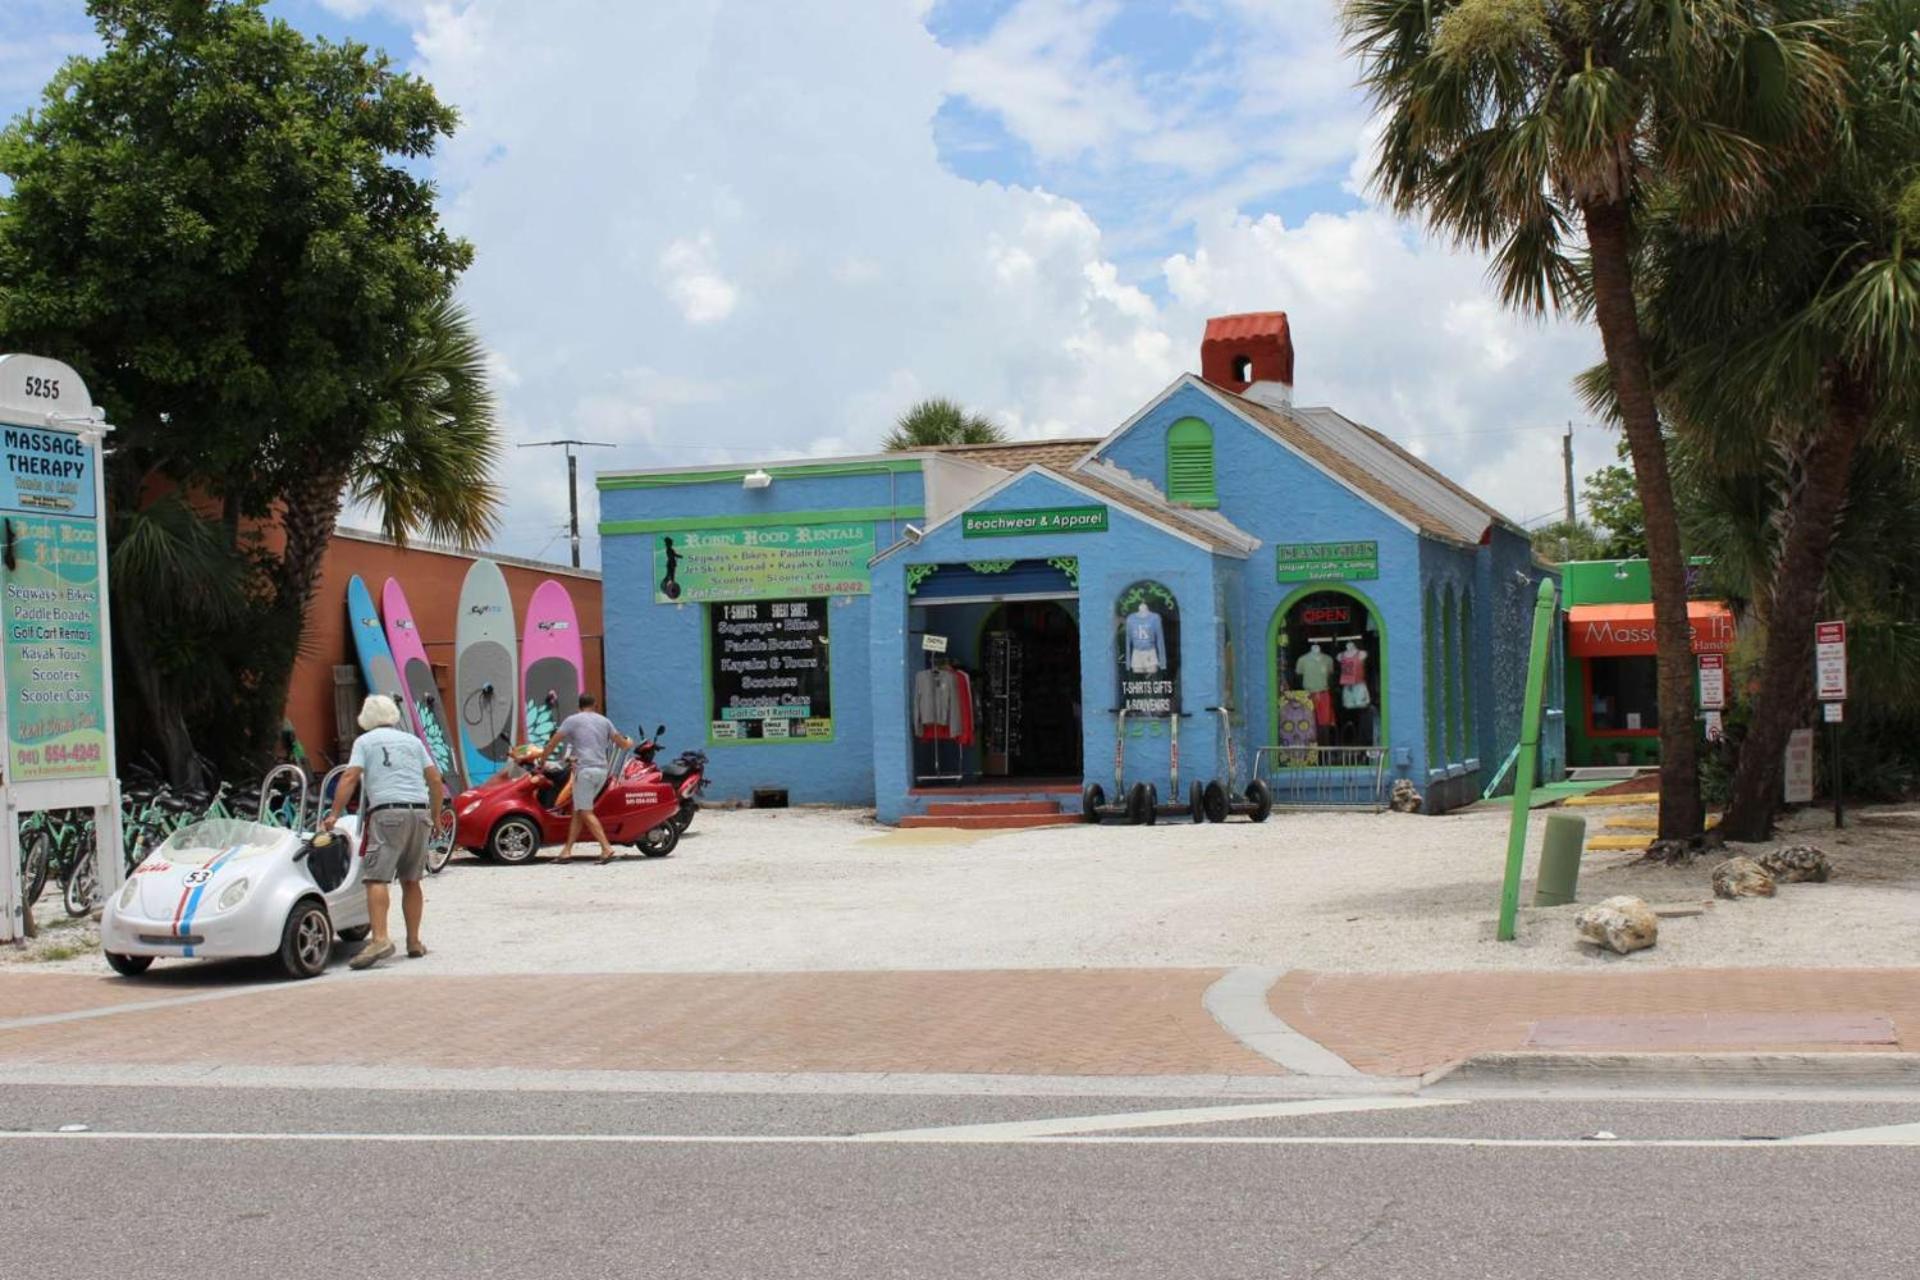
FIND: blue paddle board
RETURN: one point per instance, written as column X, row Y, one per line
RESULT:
column 377, row 667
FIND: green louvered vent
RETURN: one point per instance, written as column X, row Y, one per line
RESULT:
column 1190, row 464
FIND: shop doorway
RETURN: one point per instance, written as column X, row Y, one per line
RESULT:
column 1032, row 708
column 1328, row 653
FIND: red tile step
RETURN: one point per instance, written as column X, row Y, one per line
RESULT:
column 994, row 808
column 989, row 821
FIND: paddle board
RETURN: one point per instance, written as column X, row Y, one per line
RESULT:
column 377, row 668
column 486, row 694
column 551, row 660
column 416, row 680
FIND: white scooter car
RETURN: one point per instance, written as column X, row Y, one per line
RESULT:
column 227, row 887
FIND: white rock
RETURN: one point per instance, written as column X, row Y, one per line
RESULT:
column 1623, row 924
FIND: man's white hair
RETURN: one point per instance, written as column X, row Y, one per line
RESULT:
column 379, row 712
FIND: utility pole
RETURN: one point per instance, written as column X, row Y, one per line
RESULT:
column 573, row 483
column 1566, row 458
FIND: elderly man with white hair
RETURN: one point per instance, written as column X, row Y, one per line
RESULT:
column 404, row 794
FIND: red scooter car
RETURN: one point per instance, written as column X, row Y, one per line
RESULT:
column 510, row 818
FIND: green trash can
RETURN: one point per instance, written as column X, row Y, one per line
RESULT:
column 1559, row 876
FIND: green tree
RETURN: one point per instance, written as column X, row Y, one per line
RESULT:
column 1790, row 343
column 1613, row 503
column 939, row 421
column 220, row 223
column 1566, row 540
column 1535, row 129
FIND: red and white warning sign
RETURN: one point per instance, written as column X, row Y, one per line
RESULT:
column 1713, row 682
column 1830, row 661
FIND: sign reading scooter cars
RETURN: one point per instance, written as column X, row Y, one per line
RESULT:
column 769, row 671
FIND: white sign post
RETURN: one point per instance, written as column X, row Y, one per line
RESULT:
column 1799, row 767
column 1830, row 686
column 56, row 668
column 1713, row 682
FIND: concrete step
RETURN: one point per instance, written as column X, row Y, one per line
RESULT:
column 994, row 808
column 989, row 821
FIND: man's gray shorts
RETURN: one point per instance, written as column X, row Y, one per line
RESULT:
column 396, row 845
column 587, row 786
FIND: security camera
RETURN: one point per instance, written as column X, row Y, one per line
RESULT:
column 913, row 533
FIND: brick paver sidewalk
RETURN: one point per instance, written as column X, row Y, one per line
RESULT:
column 1412, row 1023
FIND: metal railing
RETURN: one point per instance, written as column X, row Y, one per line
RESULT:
column 1314, row 777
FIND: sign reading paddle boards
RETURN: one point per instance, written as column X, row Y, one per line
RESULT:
column 769, row 562
column 53, row 600
column 1013, row 524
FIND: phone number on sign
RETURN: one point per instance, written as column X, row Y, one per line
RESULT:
column 85, row 753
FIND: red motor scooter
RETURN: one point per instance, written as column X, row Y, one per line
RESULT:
column 685, row 773
column 510, row 818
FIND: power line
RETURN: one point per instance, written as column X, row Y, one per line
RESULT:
column 573, row 481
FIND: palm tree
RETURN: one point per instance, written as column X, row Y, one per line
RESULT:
column 939, row 421
column 1805, row 321
column 1533, row 129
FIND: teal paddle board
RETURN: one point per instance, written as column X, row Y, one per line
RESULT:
column 377, row 667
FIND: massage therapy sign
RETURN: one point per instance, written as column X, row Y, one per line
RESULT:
column 53, row 590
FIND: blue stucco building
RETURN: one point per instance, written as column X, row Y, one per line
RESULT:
column 1223, row 566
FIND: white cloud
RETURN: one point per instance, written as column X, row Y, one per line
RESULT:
column 703, row 295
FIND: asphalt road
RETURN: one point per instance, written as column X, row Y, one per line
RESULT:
column 218, row 1182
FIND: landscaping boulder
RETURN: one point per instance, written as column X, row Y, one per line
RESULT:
column 1405, row 797
column 1797, row 862
column 1623, row 924
column 1741, row 878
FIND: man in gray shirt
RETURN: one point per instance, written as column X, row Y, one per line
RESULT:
column 404, row 793
column 591, row 737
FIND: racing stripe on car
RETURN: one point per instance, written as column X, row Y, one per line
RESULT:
column 190, row 898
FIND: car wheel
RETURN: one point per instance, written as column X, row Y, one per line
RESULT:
column 1218, row 806
column 38, row 855
column 660, row 841
column 129, row 966
column 1262, row 800
column 1093, row 798
column 514, row 840
column 359, row 933
column 306, row 944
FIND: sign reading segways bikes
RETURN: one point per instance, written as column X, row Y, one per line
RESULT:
column 57, row 706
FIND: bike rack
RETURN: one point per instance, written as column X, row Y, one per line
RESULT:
column 267, row 788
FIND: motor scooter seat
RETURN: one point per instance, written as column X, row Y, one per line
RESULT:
column 675, row 770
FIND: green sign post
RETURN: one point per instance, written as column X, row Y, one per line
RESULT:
column 1013, row 524
column 1327, row 561
column 1523, row 774
column 768, row 562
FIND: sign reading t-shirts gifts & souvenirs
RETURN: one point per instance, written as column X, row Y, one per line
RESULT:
column 1147, row 643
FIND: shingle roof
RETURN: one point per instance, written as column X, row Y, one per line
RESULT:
column 1193, row 524
column 1379, row 468
column 1249, row 324
column 1015, row 454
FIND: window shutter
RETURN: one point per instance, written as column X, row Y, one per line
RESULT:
column 1190, row 464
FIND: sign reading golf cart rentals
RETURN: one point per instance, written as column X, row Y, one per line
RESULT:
column 769, row 672
column 1013, row 524
column 1327, row 561
column 763, row 563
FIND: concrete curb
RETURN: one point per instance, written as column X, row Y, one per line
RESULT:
column 1238, row 1002
column 1692, row 1073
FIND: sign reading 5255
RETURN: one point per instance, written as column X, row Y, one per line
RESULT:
column 41, row 388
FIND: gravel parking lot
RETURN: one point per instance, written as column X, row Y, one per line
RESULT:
column 813, row 889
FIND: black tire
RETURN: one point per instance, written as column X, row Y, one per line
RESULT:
column 1139, row 804
column 80, row 887
column 684, row 818
column 36, row 855
column 1196, row 803
column 1092, row 799
column 513, row 840
column 128, row 966
column 1262, row 800
column 306, row 943
column 1218, row 804
column 440, row 847
column 660, row 841
column 359, row 933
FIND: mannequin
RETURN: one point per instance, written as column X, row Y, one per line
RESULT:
column 1315, row 669
column 1146, row 642
column 1353, row 678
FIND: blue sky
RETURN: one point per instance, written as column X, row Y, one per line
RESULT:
column 718, row 230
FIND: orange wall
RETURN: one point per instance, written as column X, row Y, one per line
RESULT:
column 432, row 581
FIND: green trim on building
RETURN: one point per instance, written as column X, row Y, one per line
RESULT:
column 1190, row 475
column 851, row 515
column 778, row 470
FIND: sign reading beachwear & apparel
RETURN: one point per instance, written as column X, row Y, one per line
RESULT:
column 1327, row 561
column 1013, row 524
column 769, row 672
column 767, row 562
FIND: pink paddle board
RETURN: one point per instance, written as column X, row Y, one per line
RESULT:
column 417, row 684
column 551, row 660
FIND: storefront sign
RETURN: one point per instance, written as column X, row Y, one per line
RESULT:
column 1013, row 524
column 1713, row 681
column 1830, row 661
column 769, row 672
column 1798, row 774
column 1147, row 646
column 764, row 563
column 46, row 472
column 933, row 643
column 1328, row 561
column 1624, row 630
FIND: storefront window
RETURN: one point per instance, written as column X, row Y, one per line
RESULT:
column 1327, row 657
column 769, row 672
column 1623, row 695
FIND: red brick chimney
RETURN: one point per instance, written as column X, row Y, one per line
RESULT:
column 1241, row 350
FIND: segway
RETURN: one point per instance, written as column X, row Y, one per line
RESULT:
column 1218, row 800
column 1193, row 807
column 1094, row 804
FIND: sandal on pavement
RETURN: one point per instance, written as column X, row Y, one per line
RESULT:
column 370, row 955
column 415, row 950
column 607, row 857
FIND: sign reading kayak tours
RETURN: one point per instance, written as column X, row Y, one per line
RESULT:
column 763, row 563
column 769, row 672
column 1147, row 640
column 50, row 609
